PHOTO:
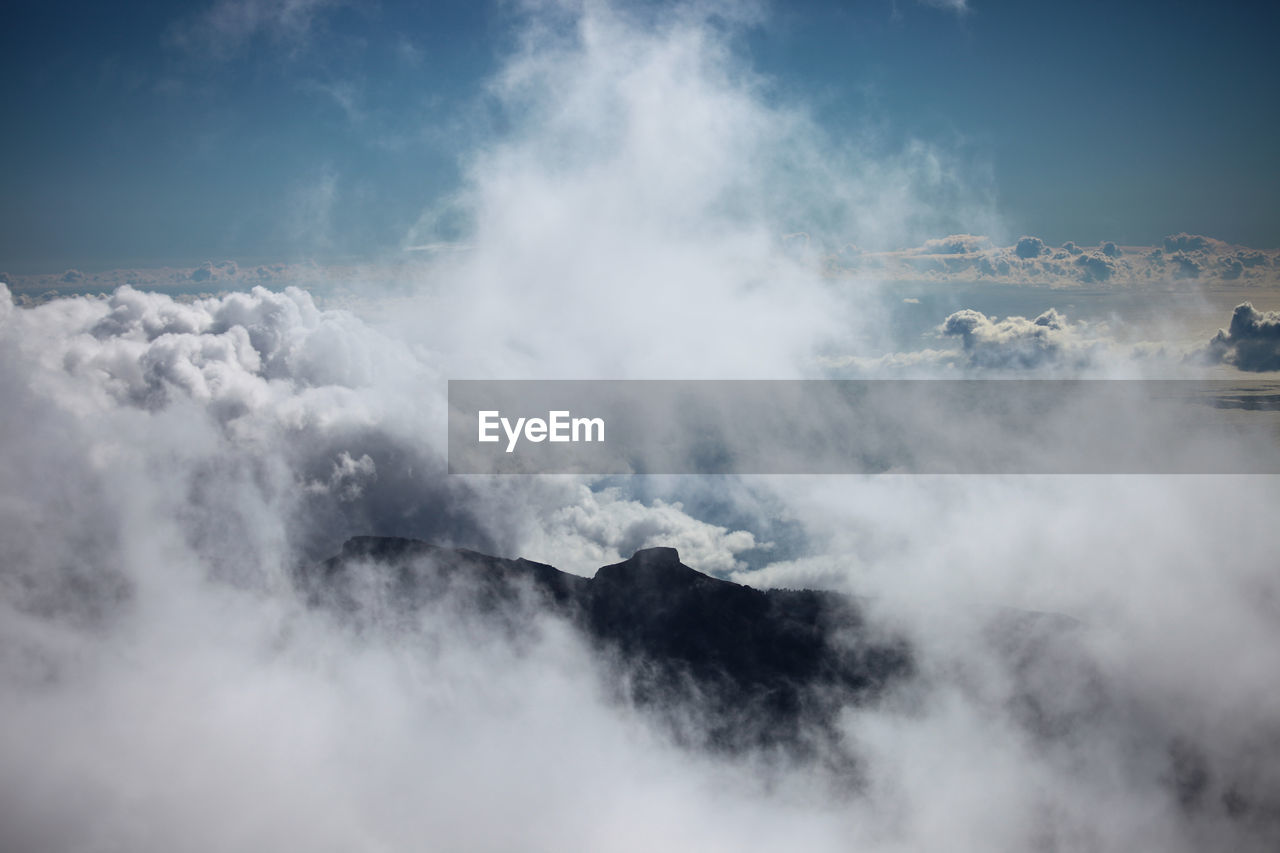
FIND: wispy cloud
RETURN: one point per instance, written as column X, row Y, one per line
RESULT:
column 229, row 25
column 960, row 7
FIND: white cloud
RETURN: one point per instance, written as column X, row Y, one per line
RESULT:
column 1019, row 343
column 603, row 527
column 167, row 463
column 1049, row 345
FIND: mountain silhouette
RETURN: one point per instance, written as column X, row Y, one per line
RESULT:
column 723, row 665
column 729, row 668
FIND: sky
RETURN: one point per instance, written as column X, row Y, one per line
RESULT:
column 148, row 133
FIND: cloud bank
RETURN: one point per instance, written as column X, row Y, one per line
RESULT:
column 1182, row 260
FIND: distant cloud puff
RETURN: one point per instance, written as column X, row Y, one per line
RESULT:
column 1251, row 343
column 956, row 244
column 1016, row 342
column 1048, row 344
column 1096, row 267
column 604, row 526
column 1185, row 265
column 1030, row 247
column 1188, row 243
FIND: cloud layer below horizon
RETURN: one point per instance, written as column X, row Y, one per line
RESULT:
column 1182, row 261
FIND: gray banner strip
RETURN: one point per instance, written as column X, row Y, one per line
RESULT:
column 864, row 427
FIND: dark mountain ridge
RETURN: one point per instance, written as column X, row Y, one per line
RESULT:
column 729, row 666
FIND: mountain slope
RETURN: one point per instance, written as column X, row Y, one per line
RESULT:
column 725, row 665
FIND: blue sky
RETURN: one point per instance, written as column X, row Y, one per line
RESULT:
column 145, row 133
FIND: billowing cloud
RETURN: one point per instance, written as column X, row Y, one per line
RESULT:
column 603, row 527
column 969, row 343
column 1095, row 267
column 1018, row 343
column 1030, row 247
column 1190, row 243
column 956, row 244
column 1251, row 342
